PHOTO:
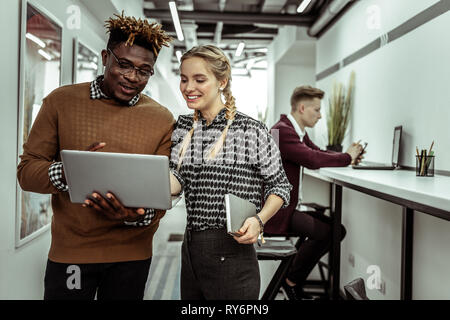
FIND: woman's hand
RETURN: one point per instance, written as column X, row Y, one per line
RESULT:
column 175, row 186
column 249, row 231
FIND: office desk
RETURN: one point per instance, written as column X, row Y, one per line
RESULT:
column 430, row 195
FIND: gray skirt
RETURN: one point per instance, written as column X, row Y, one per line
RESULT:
column 216, row 267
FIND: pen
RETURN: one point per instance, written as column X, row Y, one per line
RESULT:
column 429, row 158
column 431, row 147
column 424, row 155
column 417, row 151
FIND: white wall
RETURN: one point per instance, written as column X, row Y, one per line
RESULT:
column 403, row 83
column 291, row 63
column 288, row 77
column 22, row 269
column 247, row 92
column 164, row 85
column 130, row 7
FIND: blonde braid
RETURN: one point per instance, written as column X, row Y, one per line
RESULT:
column 230, row 114
column 230, row 102
column 187, row 140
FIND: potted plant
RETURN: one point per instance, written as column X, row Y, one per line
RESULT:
column 338, row 116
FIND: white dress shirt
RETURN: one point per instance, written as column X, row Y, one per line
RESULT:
column 301, row 134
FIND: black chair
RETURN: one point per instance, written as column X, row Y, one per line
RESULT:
column 356, row 290
column 319, row 288
column 285, row 251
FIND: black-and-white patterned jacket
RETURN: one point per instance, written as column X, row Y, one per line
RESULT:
column 248, row 166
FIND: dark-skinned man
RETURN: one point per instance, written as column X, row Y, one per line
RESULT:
column 108, row 244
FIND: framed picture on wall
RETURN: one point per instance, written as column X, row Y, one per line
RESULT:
column 40, row 73
column 86, row 63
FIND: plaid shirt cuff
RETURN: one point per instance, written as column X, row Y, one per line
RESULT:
column 56, row 176
column 144, row 221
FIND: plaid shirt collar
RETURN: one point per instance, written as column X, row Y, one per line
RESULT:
column 97, row 93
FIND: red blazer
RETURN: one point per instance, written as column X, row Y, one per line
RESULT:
column 293, row 155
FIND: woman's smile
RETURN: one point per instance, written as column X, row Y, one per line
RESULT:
column 192, row 98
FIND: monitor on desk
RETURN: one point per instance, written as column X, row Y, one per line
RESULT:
column 396, row 146
column 394, row 158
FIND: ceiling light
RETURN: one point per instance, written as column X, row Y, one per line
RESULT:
column 303, row 6
column 45, row 54
column 178, row 54
column 35, row 39
column 176, row 20
column 239, row 49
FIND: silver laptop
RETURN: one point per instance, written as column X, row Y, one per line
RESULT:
column 137, row 180
column 237, row 211
column 395, row 155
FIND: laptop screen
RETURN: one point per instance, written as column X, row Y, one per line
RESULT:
column 396, row 145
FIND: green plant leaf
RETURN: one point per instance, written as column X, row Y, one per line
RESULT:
column 340, row 105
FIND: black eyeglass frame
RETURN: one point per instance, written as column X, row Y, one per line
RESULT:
column 140, row 73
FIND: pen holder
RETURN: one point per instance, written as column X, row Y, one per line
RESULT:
column 425, row 166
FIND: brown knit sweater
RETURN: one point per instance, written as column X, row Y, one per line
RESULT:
column 69, row 119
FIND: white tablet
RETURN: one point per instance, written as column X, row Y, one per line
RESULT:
column 137, row 180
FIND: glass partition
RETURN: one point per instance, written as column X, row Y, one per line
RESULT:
column 40, row 73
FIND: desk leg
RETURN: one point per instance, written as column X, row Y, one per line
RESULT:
column 407, row 253
column 335, row 252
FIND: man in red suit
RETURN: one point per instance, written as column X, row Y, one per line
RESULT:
column 298, row 151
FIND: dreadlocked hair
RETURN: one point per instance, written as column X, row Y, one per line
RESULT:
column 220, row 66
column 136, row 31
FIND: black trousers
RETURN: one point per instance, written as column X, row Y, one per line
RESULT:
column 216, row 267
column 317, row 227
column 110, row 281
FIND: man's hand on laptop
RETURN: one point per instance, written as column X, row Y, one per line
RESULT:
column 109, row 205
column 112, row 207
column 96, row 146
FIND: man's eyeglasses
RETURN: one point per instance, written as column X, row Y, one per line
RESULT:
column 125, row 68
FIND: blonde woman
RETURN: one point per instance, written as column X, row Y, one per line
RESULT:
column 215, row 151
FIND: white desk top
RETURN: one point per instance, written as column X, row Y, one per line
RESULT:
column 430, row 191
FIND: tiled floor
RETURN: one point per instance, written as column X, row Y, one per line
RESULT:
column 164, row 279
